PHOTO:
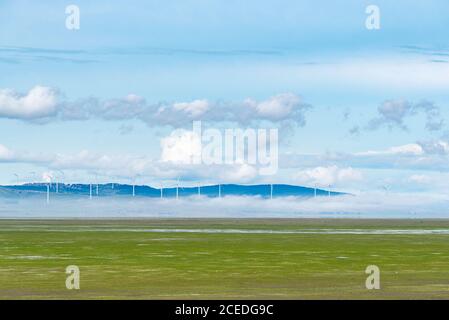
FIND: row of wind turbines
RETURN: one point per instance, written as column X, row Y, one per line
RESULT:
column 97, row 191
column 97, row 187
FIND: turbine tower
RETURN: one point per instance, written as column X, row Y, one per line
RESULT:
column 177, row 189
column 33, row 175
column 63, row 178
column 96, row 183
column 162, row 191
column 90, row 191
column 329, row 191
column 48, row 190
column 314, row 194
column 134, row 185
column 219, row 190
column 199, row 190
column 17, row 177
column 271, row 191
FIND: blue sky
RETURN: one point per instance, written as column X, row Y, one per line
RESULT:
column 378, row 99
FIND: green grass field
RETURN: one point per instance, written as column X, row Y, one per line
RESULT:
column 127, row 259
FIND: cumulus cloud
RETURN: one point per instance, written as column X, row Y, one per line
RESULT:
column 439, row 147
column 5, row 153
column 239, row 173
column 45, row 104
column 284, row 108
column 40, row 102
column 114, row 165
column 330, row 175
column 280, row 107
column 180, row 147
column 194, row 109
column 393, row 114
column 430, row 156
column 172, row 164
column 340, row 170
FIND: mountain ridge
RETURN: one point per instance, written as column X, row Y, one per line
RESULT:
column 214, row 190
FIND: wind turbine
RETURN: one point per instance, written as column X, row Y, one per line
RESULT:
column 162, row 191
column 177, row 189
column 315, row 191
column 271, row 191
column 219, row 190
column 96, row 181
column 33, row 175
column 134, row 185
column 329, row 191
column 199, row 190
column 17, row 176
column 48, row 190
column 57, row 182
column 90, row 191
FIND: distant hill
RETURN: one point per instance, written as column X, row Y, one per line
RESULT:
column 114, row 189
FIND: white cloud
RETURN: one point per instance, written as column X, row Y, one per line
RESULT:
column 420, row 179
column 393, row 113
column 413, row 149
column 45, row 104
column 180, row 147
column 39, row 102
column 440, row 147
column 330, row 175
column 368, row 205
column 390, row 73
column 279, row 107
column 407, row 149
column 429, row 156
column 239, row 173
column 5, row 153
column 194, row 109
column 172, row 164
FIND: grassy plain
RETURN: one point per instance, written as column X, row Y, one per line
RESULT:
column 224, row 259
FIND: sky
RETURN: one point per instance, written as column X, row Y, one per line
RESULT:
column 358, row 109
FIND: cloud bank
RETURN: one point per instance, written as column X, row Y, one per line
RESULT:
column 369, row 205
column 44, row 104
